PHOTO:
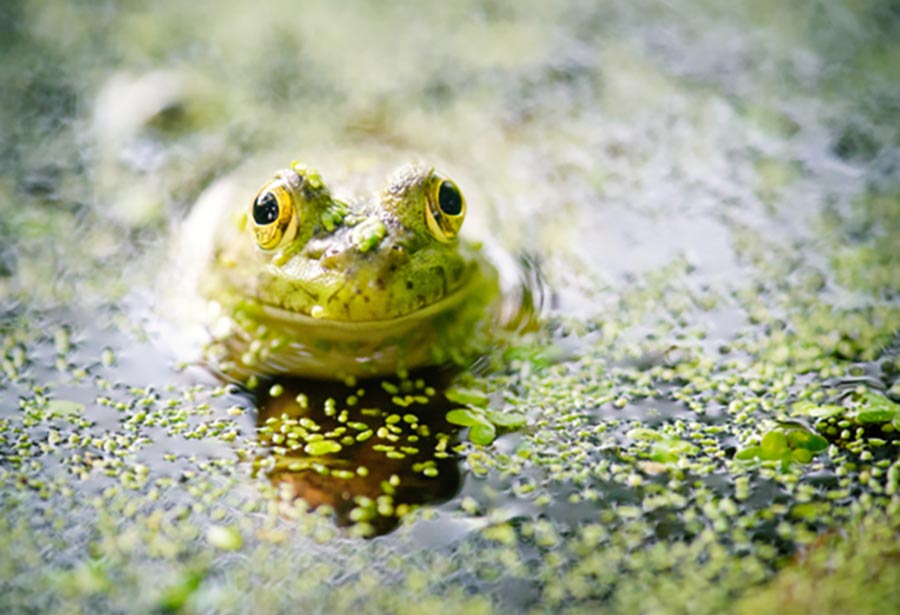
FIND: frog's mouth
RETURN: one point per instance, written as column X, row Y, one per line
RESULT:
column 269, row 338
column 468, row 287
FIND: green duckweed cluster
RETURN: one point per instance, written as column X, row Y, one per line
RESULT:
column 706, row 420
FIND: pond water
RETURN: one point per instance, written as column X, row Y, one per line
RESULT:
column 703, row 419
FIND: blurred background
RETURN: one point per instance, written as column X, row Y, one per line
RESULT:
column 583, row 128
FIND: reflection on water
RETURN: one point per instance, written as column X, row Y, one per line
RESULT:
column 370, row 451
column 528, row 301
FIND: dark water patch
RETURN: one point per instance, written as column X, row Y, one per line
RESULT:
column 371, row 451
column 825, row 478
column 856, row 141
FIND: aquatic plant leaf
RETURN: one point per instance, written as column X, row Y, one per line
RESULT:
column 322, row 447
column 807, row 408
column 482, row 434
column 466, row 418
column 802, row 439
column 802, row 455
column 507, row 420
column 748, row 454
column 64, row 407
column 809, row 510
column 672, row 449
column 774, row 443
column 642, row 433
column 875, row 416
column 796, row 445
column 467, row 397
column 793, row 446
column 875, row 408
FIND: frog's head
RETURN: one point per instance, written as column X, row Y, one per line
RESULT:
column 365, row 258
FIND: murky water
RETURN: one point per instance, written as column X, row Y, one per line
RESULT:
column 702, row 207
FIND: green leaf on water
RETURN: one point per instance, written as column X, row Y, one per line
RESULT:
column 642, row 433
column 322, row 447
column 875, row 416
column 671, row 449
column 795, row 445
column 774, row 443
column 465, row 418
column 507, row 420
column 64, row 407
column 876, row 408
column 800, row 438
column 467, row 397
column 807, row 408
column 802, row 455
column 483, row 424
column 749, row 453
column 810, row 510
column 482, row 434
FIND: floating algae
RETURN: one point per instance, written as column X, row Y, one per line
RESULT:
column 713, row 197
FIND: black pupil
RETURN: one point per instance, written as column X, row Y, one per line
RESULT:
column 449, row 199
column 265, row 209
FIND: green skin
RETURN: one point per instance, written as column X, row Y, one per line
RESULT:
column 363, row 288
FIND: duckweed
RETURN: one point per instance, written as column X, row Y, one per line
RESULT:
column 705, row 419
column 787, row 446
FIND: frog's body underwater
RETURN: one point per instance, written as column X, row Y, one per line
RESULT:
column 300, row 280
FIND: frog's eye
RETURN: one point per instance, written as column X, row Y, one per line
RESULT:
column 273, row 215
column 446, row 209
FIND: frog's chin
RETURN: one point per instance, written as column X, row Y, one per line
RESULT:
column 320, row 348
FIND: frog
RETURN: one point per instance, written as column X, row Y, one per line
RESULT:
column 308, row 279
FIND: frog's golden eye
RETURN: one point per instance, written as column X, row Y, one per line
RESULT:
column 273, row 215
column 446, row 209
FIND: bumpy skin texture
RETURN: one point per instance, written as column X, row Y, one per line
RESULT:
column 331, row 277
column 359, row 286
